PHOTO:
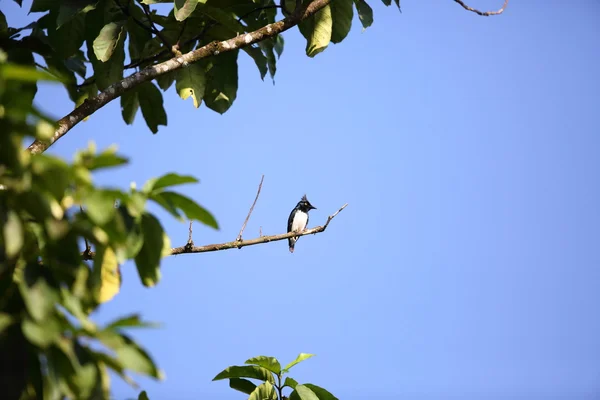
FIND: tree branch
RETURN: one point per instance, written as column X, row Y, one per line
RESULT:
column 239, row 237
column 115, row 90
column 483, row 13
column 251, row 242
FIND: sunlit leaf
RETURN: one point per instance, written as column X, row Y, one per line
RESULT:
column 317, row 31
column 264, row 391
column 183, row 8
column 191, row 82
column 302, row 392
column 247, row 371
column 321, row 393
column 13, row 234
column 106, row 42
column 301, row 357
column 110, row 277
column 266, row 362
column 290, row 382
column 170, row 179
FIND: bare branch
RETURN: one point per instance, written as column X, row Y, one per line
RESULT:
column 115, row 90
column 252, row 242
column 483, row 13
column 190, row 242
column 239, row 237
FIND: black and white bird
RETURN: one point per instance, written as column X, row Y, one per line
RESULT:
column 298, row 220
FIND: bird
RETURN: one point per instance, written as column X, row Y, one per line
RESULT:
column 298, row 219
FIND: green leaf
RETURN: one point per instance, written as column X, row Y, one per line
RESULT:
column 99, row 206
column 247, row 371
column 105, row 159
column 242, row 385
column 143, row 395
column 172, row 201
column 44, row 5
column 129, row 106
column 129, row 354
column 302, row 392
column 69, row 9
column 269, row 363
column 130, row 321
column 365, row 13
column 264, row 391
column 259, row 59
column 191, row 81
column 267, row 47
column 165, row 81
column 25, row 73
column 317, row 31
column 6, row 320
column 183, row 8
column 13, row 234
column 290, row 382
column 106, row 42
column 342, row 13
column 111, row 71
column 321, row 393
column 151, row 102
column 170, row 179
column 222, row 82
column 40, row 298
column 138, row 36
column 301, row 357
column 147, row 260
column 279, row 43
column 42, row 334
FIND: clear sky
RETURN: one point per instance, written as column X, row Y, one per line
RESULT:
column 467, row 264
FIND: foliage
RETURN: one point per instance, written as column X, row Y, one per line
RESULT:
column 268, row 371
column 48, row 289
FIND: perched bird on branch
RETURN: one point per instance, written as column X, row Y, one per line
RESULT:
column 298, row 220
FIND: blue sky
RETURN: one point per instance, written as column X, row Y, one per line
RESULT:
column 466, row 265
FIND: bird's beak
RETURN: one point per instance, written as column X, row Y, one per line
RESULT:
column 313, row 207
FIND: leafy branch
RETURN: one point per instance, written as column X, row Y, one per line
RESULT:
column 483, row 13
column 91, row 105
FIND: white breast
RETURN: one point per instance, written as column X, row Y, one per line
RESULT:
column 299, row 222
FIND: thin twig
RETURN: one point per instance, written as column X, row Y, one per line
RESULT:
column 251, row 242
column 483, row 13
column 239, row 237
column 158, row 33
column 190, row 242
column 88, row 249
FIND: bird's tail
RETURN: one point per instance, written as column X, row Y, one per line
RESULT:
column 292, row 243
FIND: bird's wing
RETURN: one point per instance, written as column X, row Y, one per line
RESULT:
column 291, row 220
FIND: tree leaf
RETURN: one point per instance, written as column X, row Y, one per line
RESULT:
column 321, row 393
column 42, row 334
column 143, row 395
column 6, row 320
column 264, row 391
column 183, row 8
column 151, row 102
column 191, row 81
column 246, row 371
column 266, row 362
column 259, row 59
column 106, row 42
column 165, row 81
column 301, row 357
column 222, row 82
column 13, row 234
column 365, row 13
column 99, row 206
column 44, row 5
column 129, row 354
column 302, row 392
column 147, row 260
column 129, row 106
column 69, row 9
column 242, row 385
column 172, row 201
column 290, row 382
column 279, row 43
column 39, row 296
column 138, row 36
column 317, row 31
column 110, row 276
column 342, row 13
column 130, row 321
column 170, row 179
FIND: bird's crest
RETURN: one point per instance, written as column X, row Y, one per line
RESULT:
column 304, row 198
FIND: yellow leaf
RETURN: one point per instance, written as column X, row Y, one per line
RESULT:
column 110, row 277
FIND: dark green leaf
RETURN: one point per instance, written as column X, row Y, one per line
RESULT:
column 321, row 393
column 129, row 354
column 76, row 65
column 365, row 13
column 191, row 81
column 70, row 8
column 247, row 371
column 266, row 362
column 290, row 382
column 40, row 297
column 259, row 59
column 44, row 5
column 342, row 13
column 166, row 80
column 170, row 179
column 151, row 102
column 138, row 36
column 143, row 395
column 129, row 106
column 279, row 43
column 6, row 320
column 267, row 46
column 67, row 39
column 147, row 260
column 301, row 357
column 106, row 42
column 183, row 8
column 242, row 385
column 264, row 391
column 222, row 82
column 172, row 201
